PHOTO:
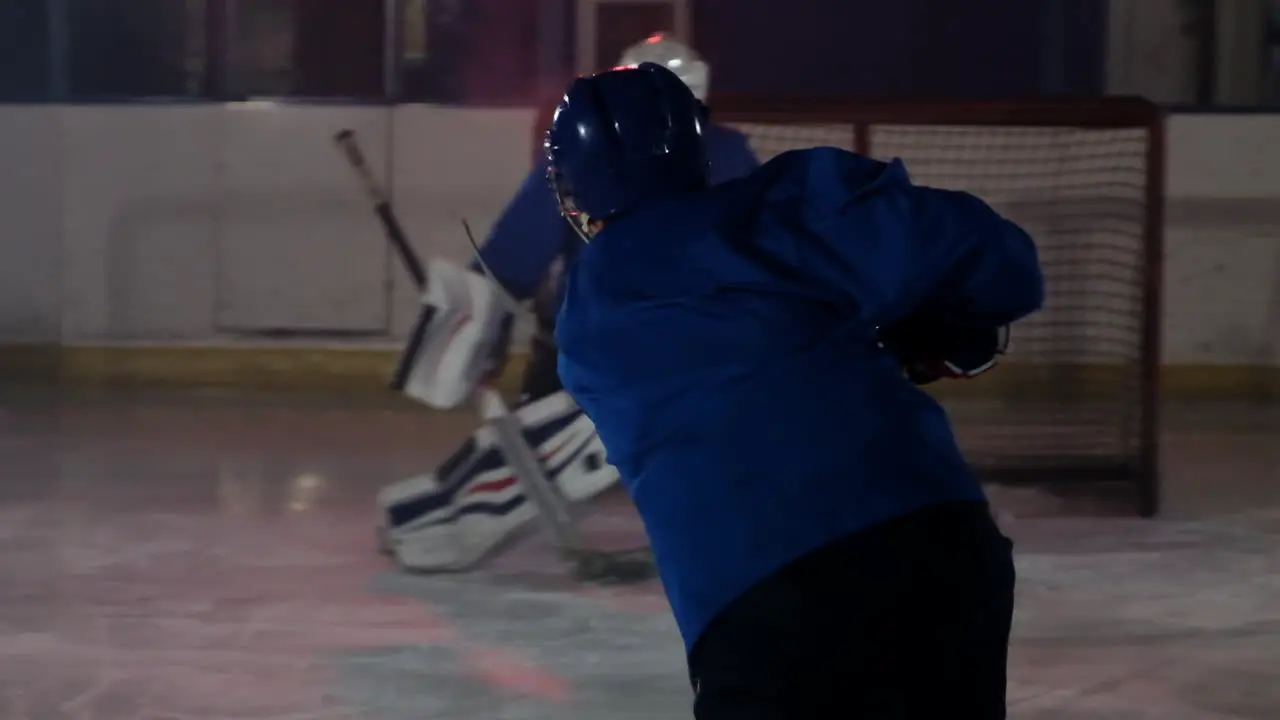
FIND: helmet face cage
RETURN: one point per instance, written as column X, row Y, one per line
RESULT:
column 578, row 220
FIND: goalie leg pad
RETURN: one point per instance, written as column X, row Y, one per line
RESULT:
column 453, row 518
column 566, row 442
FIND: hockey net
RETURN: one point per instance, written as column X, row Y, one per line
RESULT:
column 1074, row 405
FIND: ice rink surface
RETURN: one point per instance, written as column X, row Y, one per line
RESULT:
column 199, row 556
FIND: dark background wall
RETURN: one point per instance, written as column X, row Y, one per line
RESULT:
column 881, row 48
column 938, row 48
column 487, row 52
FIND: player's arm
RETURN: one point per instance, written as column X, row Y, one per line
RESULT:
column 987, row 276
column 526, row 239
column 864, row 236
column 980, row 269
column 937, row 273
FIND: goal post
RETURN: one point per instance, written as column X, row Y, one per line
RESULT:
column 1075, row 406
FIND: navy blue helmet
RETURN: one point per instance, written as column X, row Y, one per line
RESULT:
column 623, row 138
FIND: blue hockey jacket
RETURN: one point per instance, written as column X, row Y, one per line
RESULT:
column 725, row 345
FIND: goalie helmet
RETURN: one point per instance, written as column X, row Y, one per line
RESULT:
column 674, row 55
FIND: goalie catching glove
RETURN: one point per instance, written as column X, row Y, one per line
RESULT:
column 930, row 351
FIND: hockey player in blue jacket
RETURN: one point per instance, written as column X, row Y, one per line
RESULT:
column 530, row 241
column 750, row 355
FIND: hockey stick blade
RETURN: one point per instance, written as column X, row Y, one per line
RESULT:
column 349, row 145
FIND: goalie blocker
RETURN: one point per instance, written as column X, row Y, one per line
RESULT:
column 458, row 338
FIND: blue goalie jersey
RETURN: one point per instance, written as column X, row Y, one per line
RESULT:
column 725, row 345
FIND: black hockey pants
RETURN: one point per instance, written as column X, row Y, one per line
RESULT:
column 908, row 620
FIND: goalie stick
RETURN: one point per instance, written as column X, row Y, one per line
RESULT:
column 350, row 147
column 590, row 565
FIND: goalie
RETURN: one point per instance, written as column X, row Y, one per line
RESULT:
column 750, row 354
column 454, row 517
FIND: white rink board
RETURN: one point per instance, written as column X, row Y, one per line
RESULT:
column 198, row 223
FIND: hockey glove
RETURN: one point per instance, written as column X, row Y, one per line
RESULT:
column 930, row 352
